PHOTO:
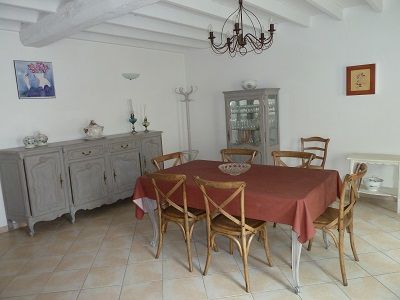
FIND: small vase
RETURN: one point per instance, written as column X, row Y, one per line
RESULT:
column 146, row 124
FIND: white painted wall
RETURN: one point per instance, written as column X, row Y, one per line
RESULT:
column 308, row 64
column 89, row 86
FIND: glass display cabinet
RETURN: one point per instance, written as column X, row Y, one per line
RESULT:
column 252, row 121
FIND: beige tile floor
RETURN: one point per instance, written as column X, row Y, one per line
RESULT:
column 106, row 255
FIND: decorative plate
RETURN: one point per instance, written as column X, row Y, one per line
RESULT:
column 234, row 169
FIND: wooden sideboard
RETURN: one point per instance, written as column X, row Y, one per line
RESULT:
column 43, row 183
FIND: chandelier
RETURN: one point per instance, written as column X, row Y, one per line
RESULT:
column 239, row 41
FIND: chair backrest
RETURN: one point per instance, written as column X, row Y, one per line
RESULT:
column 215, row 207
column 160, row 160
column 227, row 154
column 351, row 186
column 359, row 168
column 317, row 145
column 306, row 158
column 167, row 186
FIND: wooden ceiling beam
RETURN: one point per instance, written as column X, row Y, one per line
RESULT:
column 376, row 5
column 50, row 6
column 330, row 7
column 13, row 13
column 75, row 16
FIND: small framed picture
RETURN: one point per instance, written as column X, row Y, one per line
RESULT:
column 35, row 79
column 360, row 80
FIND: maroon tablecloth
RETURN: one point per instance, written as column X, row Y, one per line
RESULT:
column 284, row 195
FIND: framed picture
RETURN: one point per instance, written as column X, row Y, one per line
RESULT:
column 35, row 79
column 360, row 80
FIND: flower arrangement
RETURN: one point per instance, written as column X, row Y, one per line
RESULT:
column 38, row 67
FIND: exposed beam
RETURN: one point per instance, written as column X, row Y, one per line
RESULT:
column 376, row 5
column 10, row 25
column 176, row 15
column 42, row 5
column 207, row 7
column 282, row 11
column 122, row 41
column 159, row 26
column 75, row 16
column 18, row 14
column 330, row 7
column 137, row 34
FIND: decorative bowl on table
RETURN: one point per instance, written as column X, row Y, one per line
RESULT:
column 234, row 169
column 373, row 183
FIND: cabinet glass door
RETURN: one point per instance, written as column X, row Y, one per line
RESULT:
column 244, row 122
column 272, row 119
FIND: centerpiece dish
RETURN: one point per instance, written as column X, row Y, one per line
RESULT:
column 373, row 183
column 234, row 169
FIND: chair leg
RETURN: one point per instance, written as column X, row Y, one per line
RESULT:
column 274, row 225
column 160, row 237
column 352, row 244
column 309, row 245
column 341, row 256
column 266, row 246
column 245, row 263
column 209, row 247
column 189, row 246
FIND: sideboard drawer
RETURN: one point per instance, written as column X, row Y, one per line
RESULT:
column 85, row 152
column 123, row 146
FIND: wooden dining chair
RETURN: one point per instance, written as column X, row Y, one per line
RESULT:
column 167, row 188
column 306, row 158
column 228, row 154
column 318, row 146
column 160, row 160
column 239, row 229
column 341, row 219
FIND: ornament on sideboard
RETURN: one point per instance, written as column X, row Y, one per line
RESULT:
column 146, row 124
column 133, row 120
column 93, row 130
column 29, row 142
column 41, row 139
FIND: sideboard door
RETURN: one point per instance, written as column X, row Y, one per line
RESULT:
column 45, row 180
column 88, row 180
column 125, row 170
column 151, row 147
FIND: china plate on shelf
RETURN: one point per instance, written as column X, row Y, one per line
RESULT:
column 234, row 169
column 91, row 138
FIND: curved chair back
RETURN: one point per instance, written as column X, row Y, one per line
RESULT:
column 318, row 146
column 228, row 154
column 160, row 160
column 305, row 157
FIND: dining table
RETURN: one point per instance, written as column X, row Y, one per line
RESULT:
column 283, row 195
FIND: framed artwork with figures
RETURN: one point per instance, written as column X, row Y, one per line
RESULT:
column 360, row 80
column 35, row 79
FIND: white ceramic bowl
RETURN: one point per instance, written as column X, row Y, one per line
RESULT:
column 373, row 183
column 249, row 84
column 234, row 169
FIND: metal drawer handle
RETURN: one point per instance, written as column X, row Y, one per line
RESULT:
column 124, row 146
column 87, row 153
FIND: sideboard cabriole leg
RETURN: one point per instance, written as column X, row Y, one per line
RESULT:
column 71, row 216
column 31, row 230
column 326, row 240
column 398, row 189
column 296, row 253
column 149, row 206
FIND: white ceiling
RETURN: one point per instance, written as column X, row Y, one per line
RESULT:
column 161, row 24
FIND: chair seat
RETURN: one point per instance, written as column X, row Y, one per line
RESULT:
column 329, row 215
column 315, row 167
column 173, row 213
column 222, row 223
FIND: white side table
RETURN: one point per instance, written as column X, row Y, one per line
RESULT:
column 380, row 159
